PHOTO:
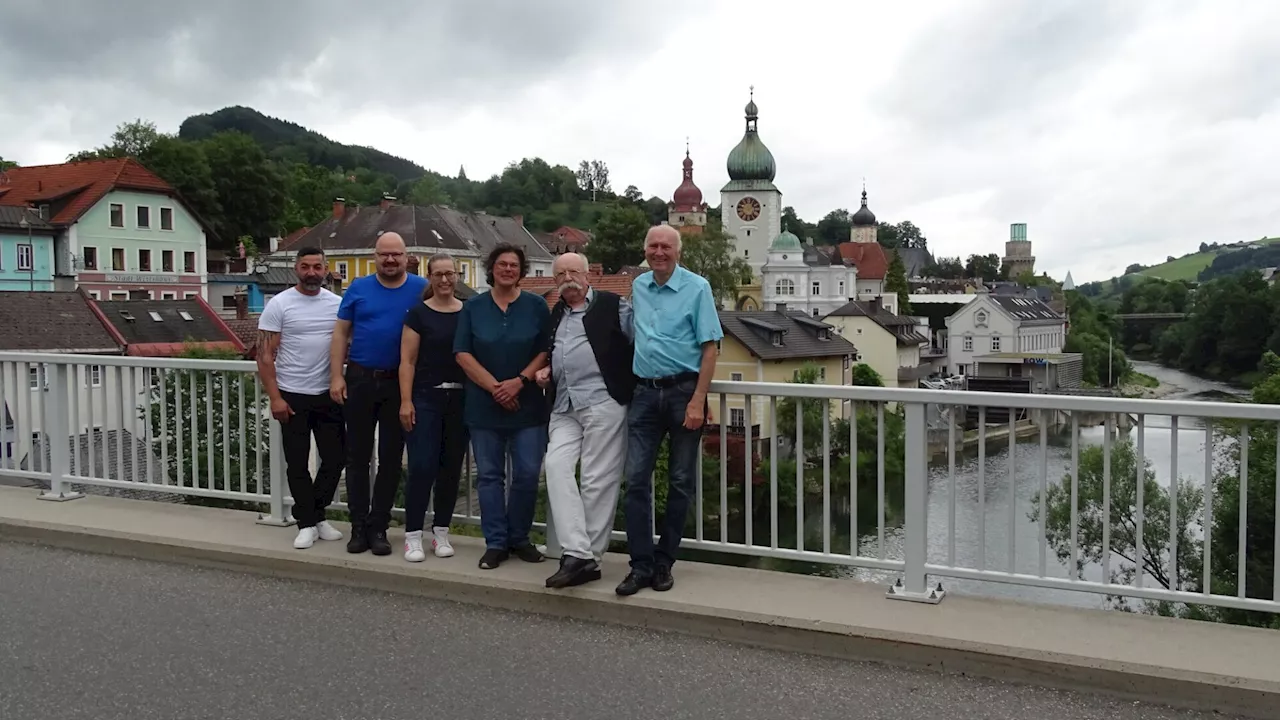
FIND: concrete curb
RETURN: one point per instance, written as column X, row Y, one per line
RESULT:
column 1150, row 683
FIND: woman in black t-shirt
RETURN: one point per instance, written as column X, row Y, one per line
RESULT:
column 431, row 410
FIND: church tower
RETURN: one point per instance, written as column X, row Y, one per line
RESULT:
column 686, row 211
column 750, row 204
column 864, row 228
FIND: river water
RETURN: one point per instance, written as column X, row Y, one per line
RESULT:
column 973, row 543
column 970, row 547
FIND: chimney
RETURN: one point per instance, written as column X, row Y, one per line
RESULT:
column 519, row 219
column 876, row 303
column 781, row 307
column 242, row 306
column 339, row 207
column 595, row 269
column 386, row 202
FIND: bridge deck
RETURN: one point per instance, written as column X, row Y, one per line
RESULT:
column 145, row 639
column 314, row 639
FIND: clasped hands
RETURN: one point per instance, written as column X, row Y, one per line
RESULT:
column 507, row 393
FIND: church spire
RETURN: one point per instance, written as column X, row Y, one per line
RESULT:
column 687, row 197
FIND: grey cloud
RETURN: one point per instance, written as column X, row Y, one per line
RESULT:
column 188, row 52
column 992, row 59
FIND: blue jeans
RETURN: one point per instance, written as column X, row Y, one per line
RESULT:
column 505, row 517
column 654, row 414
column 437, row 444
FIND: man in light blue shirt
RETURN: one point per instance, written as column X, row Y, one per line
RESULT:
column 676, row 334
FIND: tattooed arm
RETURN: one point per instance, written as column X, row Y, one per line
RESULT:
column 268, row 345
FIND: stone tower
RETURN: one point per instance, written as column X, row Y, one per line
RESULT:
column 1017, row 252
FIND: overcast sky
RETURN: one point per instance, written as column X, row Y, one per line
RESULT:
column 1120, row 132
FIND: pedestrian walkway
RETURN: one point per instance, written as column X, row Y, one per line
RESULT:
column 119, row 639
column 1180, row 662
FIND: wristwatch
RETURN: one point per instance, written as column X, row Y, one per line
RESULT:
column 526, row 380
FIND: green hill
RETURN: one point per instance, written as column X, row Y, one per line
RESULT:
column 292, row 143
column 1188, row 267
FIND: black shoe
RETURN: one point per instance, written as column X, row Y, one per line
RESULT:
column 574, row 571
column 633, row 583
column 528, row 553
column 662, row 580
column 378, row 542
column 493, row 558
column 359, row 541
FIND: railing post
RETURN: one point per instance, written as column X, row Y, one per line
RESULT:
column 58, row 432
column 913, row 584
column 553, row 550
column 280, row 515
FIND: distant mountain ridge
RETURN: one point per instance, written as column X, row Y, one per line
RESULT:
column 284, row 140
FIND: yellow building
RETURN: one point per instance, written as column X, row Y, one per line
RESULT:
column 348, row 235
column 890, row 344
column 772, row 347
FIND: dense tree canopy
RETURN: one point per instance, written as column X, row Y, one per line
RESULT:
column 249, row 174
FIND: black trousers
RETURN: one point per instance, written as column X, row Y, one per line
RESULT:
column 372, row 403
column 321, row 417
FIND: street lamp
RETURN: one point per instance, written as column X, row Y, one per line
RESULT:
column 31, row 269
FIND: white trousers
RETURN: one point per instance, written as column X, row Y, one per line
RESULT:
column 597, row 436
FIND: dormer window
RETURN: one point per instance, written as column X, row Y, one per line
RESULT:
column 777, row 339
column 824, row 334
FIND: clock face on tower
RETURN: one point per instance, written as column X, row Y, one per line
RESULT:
column 748, row 208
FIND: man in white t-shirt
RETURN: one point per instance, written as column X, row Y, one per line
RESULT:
column 294, row 334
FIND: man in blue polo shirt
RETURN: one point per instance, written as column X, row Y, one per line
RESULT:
column 370, row 319
column 676, row 330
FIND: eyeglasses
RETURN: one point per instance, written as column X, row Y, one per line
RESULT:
column 567, row 273
column 390, row 255
column 444, row 275
column 507, row 266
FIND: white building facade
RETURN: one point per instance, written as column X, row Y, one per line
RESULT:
column 801, row 278
column 1001, row 324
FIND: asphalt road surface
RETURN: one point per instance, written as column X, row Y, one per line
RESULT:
column 106, row 638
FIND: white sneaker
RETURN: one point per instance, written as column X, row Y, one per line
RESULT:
column 413, row 547
column 327, row 531
column 440, row 542
column 306, row 538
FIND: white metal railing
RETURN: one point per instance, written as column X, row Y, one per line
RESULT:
column 1028, row 493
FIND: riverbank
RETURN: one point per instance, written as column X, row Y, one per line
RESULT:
column 1147, row 387
column 1174, row 384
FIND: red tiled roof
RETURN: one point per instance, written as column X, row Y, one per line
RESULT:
column 869, row 258
column 292, row 238
column 572, row 235
column 619, row 285
column 247, row 331
column 79, row 185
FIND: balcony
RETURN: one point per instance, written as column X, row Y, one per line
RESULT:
column 932, row 504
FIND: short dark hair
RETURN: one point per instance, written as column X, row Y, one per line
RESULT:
column 499, row 251
column 308, row 250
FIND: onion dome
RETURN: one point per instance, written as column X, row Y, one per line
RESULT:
column 687, row 197
column 751, row 160
column 864, row 217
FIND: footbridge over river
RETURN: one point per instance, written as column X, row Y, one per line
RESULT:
column 146, row 568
